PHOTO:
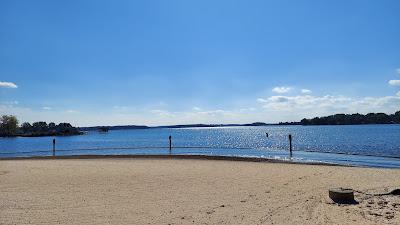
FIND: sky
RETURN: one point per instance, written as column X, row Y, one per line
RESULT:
column 160, row 62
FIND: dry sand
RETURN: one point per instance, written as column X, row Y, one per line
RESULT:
column 173, row 191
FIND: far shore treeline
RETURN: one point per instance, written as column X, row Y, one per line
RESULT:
column 9, row 128
column 353, row 119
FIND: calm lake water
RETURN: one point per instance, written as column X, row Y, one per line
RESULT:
column 362, row 145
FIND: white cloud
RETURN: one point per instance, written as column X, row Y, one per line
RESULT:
column 47, row 108
column 398, row 71
column 7, row 85
column 316, row 105
column 301, row 101
column 394, row 82
column 261, row 100
column 306, row 91
column 214, row 113
column 71, row 111
column 281, row 90
column 196, row 108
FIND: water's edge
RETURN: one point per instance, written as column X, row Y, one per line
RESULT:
column 195, row 157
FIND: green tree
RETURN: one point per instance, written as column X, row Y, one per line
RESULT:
column 8, row 125
column 26, row 127
column 40, row 127
column 396, row 117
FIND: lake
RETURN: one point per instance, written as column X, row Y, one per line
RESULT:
column 361, row 145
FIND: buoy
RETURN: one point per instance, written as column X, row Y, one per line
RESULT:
column 342, row 195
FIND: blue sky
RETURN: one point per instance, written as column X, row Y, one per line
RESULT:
column 178, row 62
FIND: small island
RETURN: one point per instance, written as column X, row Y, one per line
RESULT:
column 9, row 128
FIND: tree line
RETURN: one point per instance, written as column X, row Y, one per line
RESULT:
column 9, row 127
column 353, row 119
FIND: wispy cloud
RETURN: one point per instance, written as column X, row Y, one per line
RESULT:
column 121, row 109
column 398, row 71
column 281, row 90
column 394, row 82
column 9, row 103
column 162, row 113
column 290, row 104
column 203, row 116
column 251, row 109
column 7, row 85
column 306, row 91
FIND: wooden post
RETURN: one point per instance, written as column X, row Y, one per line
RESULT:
column 290, row 145
column 54, row 147
column 170, row 144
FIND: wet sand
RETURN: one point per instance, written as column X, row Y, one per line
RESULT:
column 189, row 191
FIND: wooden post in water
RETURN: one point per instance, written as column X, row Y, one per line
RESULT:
column 170, row 144
column 290, row 145
column 54, row 147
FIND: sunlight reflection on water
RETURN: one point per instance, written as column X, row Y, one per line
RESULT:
column 377, row 140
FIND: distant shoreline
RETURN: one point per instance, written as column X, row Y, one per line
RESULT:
column 10, row 126
column 129, row 127
column 134, row 127
column 337, row 119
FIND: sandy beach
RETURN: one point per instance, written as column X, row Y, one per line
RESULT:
column 179, row 191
